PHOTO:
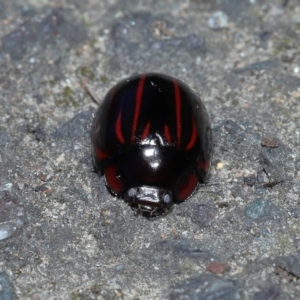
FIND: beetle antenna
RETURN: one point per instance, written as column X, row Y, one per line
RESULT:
column 93, row 95
column 90, row 91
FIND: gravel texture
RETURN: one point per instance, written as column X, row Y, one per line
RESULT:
column 63, row 236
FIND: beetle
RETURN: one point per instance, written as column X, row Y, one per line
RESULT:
column 151, row 139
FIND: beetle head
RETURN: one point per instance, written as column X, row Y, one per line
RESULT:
column 151, row 178
column 149, row 201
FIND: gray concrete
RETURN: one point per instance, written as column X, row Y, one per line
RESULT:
column 63, row 236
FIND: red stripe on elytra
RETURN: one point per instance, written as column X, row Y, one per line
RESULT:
column 203, row 165
column 114, row 182
column 100, row 154
column 167, row 134
column 193, row 137
column 119, row 129
column 187, row 187
column 178, row 111
column 146, row 131
column 138, row 100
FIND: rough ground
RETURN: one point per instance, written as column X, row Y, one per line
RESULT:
column 63, row 236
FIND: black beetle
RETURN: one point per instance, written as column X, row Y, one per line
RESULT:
column 151, row 139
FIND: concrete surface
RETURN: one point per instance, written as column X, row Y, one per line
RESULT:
column 63, row 236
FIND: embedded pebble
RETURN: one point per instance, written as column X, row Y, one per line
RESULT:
column 205, row 287
column 12, row 216
column 74, row 129
column 201, row 214
column 269, row 142
column 250, row 180
column 218, row 20
column 6, row 289
column 289, row 263
column 269, row 292
column 258, row 208
column 5, row 185
column 277, row 162
column 216, row 267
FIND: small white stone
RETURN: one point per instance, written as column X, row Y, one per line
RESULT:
column 60, row 158
column 218, row 20
column 4, row 231
column 185, row 233
column 5, row 187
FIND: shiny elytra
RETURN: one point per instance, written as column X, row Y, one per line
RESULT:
column 151, row 140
